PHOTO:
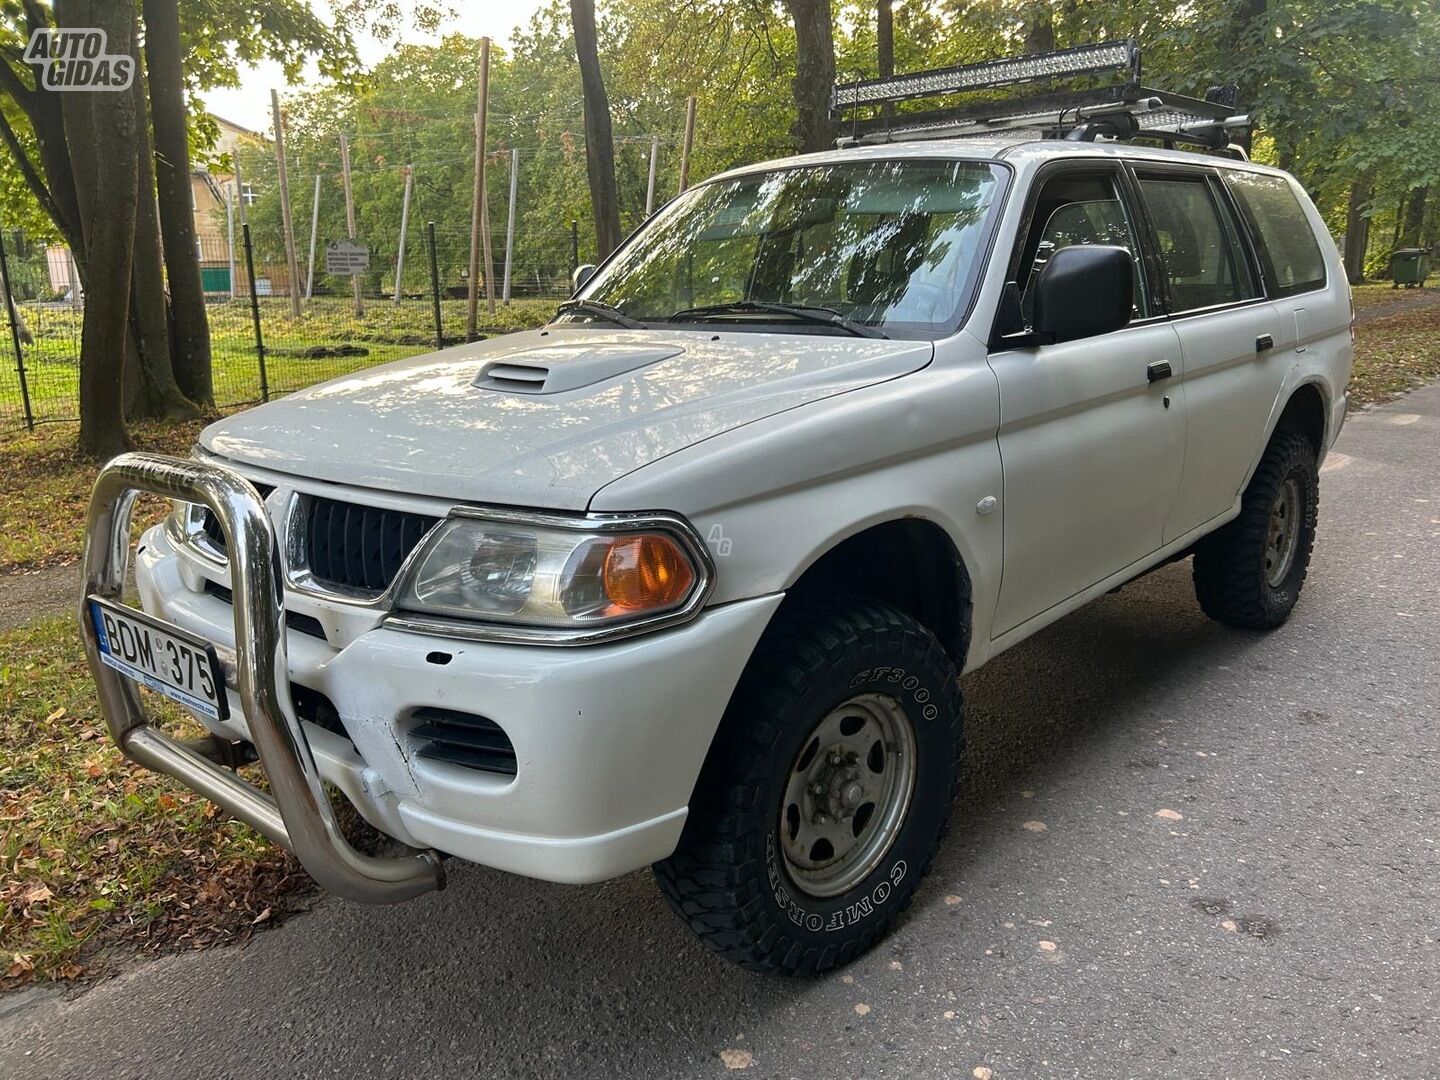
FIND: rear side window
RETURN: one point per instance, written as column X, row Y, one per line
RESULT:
column 1288, row 251
column 1198, row 248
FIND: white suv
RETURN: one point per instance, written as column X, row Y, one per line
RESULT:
column 687, row 578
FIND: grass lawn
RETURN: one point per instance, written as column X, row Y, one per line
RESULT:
column 100, row 859
column 299, row 352
column 45, row 489
column 103, row 860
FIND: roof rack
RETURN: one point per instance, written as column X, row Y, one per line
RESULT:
column 1120, row 110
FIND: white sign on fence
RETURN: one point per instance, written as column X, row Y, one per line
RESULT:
column 346, row 257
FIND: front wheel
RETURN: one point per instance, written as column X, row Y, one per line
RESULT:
column 1249, row 573
column 825, row 793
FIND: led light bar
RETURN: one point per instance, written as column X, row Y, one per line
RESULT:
column 1054, row 114
column 1107, row 57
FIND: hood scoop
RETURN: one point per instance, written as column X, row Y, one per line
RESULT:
column 554, row 369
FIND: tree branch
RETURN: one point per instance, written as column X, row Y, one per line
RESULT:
column 13, row 85
column 32, row 177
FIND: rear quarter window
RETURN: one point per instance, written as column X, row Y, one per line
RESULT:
column 1286, row 244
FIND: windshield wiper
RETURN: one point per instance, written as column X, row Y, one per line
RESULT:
column 822, row 316
column 600, row 311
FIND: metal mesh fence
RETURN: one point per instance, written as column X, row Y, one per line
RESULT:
column 333, row 333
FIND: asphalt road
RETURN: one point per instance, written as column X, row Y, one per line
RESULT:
column 1278, row 919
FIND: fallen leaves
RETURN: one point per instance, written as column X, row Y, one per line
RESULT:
column 1047, row 946
column 1393, row 353
column 1034, row 826
column 45, row 488
column 1170, row 815
column 862, row 1009
column 103, row 859
column 737, row 1059
column 981, row 1072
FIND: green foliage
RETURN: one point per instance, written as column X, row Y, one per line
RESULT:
column 1346, row 91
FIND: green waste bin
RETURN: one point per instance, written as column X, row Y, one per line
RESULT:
column 1409, row 267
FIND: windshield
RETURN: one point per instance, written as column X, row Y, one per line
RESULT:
column 892, row 244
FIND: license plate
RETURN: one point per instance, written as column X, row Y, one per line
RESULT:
column 160, row 656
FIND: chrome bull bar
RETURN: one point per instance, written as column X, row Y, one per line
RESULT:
column 298, row 815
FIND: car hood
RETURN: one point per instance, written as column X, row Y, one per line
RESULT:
column 547, row 418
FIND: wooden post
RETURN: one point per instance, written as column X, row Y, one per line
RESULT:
column 314, row 235
column 650, row 184
column 291, row 262
column 404, row 227
column 230, row 235
column 688, row 143
column 350, row 216
column 479, row 218
column 510, row 223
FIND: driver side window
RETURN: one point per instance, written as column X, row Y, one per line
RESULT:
column 1074, row 210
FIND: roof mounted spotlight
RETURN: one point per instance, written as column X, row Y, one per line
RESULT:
column 1105, row 58
column 1121, row 109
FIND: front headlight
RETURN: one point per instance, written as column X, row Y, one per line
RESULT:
column 555, row 576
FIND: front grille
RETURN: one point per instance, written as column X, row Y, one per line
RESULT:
column 359, row 547
column 211, row 524
column 464, row 739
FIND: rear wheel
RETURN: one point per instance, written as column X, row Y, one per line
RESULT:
column 1249, row 573
column 826, row 791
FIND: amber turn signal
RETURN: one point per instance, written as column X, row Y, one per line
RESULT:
column 646, row 571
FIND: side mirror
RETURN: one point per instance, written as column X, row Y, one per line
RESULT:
column 583, row 273
column 1084, row 290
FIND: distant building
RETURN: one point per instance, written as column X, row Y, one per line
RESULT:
column 211, row 186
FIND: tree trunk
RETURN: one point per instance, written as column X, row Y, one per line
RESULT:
column 151, row 389
column 1247, row 40
column 885, row 46
column 1040, row 30
column 55, row 189
column 191, row 352
column 100, row 130
column 599, row 139
column 885, row 37
column 814, row 74
column 1412, row 229
column 1357, row 230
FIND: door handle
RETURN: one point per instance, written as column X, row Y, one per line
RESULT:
column 1159, row 369
column 1264, row 343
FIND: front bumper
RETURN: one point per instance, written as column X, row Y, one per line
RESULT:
column 296, row 811
column 609, row 739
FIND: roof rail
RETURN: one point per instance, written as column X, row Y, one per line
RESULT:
column 1120, row 110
